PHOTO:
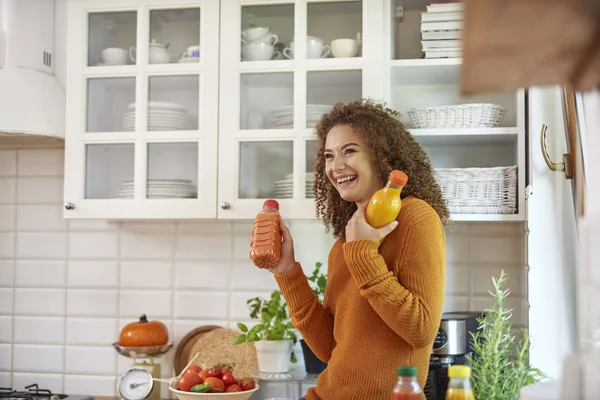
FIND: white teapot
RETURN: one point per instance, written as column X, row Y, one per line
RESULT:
column 157, row 53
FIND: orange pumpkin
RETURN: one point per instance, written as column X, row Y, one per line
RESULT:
column 144, row 333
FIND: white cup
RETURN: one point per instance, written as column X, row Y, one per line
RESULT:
column 314, row 48
column 114, row 56
column 192, row 52
column 270, row 38
column 259, row 52
column 252, row 34
column 344, row 48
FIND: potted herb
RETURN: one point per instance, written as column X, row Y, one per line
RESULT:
column 318, row 282
column 496, row 375
column 274, row 336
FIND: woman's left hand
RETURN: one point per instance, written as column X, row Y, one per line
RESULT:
column 358, row 228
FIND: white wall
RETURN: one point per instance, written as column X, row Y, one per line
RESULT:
column 67, row 287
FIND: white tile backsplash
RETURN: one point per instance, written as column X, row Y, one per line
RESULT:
column 91, row 331
column 39, row 330
column 45, row 190
column 8, row 190
column 92, row 302
column 8, row 217
column 92, row 273
column 7, row 272
column 8, row 162
column 41, row 273
column 30, row 357
column 6, row 328
column 39, row 218
column 49, row 245
column 39, row 301
column 41, row 162
column 93, row 245
column 68, row 287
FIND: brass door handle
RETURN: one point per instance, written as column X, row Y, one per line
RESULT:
column 566, row 166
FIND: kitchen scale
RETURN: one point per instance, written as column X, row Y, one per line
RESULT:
column 138, row 382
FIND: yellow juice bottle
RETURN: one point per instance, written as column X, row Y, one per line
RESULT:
column 459, row 386
column 385, row 203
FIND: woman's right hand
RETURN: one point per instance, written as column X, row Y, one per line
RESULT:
column 287, row 261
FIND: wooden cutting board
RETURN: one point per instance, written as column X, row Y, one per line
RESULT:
column 182, row 353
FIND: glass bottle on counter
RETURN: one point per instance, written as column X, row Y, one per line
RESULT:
column 459, row 386
column 407, row 387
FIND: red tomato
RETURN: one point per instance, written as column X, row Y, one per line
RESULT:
column 247, row 383
column 228, row 378
column 188, row 380
column 194, row 368
column 204, row 373
column 233, row 388
column 216, row 372
column 216, row 384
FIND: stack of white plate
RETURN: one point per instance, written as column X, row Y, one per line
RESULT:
column 284, row 189
column 283, row 117
column 162, row 116
column 161, row 189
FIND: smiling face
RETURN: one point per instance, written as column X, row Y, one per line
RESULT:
column 348, row 165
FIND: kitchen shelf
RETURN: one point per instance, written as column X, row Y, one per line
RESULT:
column 466, row 136
column 487, row 217
column 426, row 71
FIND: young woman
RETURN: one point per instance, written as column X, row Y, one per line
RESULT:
column 385, row 287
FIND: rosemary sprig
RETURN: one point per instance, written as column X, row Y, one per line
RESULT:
column 496, row 375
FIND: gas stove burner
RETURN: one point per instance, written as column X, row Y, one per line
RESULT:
column 33, row 393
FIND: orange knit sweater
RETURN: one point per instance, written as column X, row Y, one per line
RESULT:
column 382, row 307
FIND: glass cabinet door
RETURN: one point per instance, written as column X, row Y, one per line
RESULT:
column 270, row 105
column 112, row 38
column 148, row 130
column 334, row 29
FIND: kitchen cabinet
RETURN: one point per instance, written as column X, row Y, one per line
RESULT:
column 142, row 101
column 164, row 138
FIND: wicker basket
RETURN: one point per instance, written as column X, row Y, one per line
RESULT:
column 479, row 190
column 458, row 116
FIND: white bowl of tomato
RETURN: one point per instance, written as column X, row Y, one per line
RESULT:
column 213, row 383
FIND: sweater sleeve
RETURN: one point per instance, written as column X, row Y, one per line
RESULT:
column 410, row 301
column 309, row 316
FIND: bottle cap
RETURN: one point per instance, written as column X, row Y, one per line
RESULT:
column 271, row 204
column 407, row 371
column 459, row 371
column 398, row 177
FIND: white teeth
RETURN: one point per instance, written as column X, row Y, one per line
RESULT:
column 345, row 179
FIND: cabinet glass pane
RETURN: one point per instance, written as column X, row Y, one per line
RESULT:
column 266, row 31
column 266, row 101
column 174, row 36
column 334, row 29
column 112, row 38
column 173, row 103
column 329, row 87
column 266, row 170
column 172, row 170
column 312, row 147
column 110, row 102
column 109, row 171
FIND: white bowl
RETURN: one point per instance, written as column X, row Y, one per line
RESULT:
column 181, row 395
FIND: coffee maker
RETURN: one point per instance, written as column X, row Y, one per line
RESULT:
column 451, row 346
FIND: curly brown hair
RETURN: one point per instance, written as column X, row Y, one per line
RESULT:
column 381, row 129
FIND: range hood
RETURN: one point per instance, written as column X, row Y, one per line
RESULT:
column 32, row 102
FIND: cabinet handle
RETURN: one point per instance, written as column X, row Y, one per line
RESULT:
column 225, row 205
column 69, row 206
column 566, row 166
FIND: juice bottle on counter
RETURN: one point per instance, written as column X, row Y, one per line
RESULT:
column 385, row 203
column 407, row 387
column 459, row 386
column 265, row 247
